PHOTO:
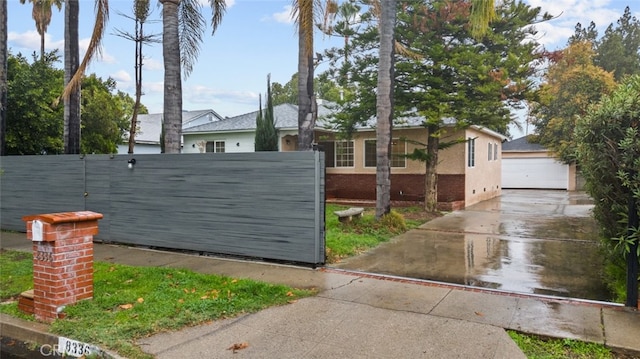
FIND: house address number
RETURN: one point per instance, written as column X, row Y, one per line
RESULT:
column 75, row 348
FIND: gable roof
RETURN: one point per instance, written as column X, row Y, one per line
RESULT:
column 285, row 116
column 522, row 144
column 150, row 125
column 190, row 116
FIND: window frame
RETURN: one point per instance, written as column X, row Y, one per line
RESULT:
column 215, row 146
column 471, row 152
column 395, row 156
column 338, row 157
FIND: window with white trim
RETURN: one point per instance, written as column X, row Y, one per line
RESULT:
column 215, row 146
column 490, row 151
column 471, row 152
column 344, row 153
column 495, row 151
column 398, row 152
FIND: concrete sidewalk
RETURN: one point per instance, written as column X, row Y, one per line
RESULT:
column 359, row 315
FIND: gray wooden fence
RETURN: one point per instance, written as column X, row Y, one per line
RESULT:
column 266, row 205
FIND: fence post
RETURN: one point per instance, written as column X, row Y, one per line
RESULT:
column 62, row 260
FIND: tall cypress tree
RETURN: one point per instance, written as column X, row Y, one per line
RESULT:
column 266, row 132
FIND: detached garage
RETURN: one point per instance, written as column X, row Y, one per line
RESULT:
column 531, row 166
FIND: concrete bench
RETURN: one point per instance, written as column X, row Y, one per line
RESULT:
column 348, row 215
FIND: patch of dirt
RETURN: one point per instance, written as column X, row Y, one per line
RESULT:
column 420, row 215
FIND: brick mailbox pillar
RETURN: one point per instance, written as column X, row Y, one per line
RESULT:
column 62, row 260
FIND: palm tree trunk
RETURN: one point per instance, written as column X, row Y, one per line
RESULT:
column 172, row 77
column 306, row 98
column 384, row 108
column 42, row 47
column 4, row 54
column 71, row 63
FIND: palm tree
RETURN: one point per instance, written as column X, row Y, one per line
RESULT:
column 482, row 13
column 4, row 54
column 71, row 65
column 305, row 13
column 41, row 14
column 74, row 69
column 182, row 29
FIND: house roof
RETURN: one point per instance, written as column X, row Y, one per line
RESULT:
column 522, row 144
column 417, row 122
column 190, row 116
column 150, row 125
column 285, row 116
column 149, row 128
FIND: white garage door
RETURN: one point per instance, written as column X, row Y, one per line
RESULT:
column 534, row 173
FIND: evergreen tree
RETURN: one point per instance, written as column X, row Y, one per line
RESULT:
column 584, row 34
column 266, row 131
column 34, row 126
column 442, row 71
column 619, row 49
column 103, row 118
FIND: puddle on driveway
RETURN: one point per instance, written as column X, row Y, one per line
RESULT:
column 543, row 248
column 565, row 268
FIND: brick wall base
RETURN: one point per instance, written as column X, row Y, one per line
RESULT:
column 404, row 188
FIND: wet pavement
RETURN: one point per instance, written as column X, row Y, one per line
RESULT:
column 358, row 315
column 525, row 241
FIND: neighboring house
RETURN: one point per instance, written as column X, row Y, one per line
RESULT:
column 237, row 134
column 529, row 165
column 150, row 128
column 468, row 172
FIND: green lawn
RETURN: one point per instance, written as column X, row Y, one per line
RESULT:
column 348, row 239
column 535, row 347
column 134, row 302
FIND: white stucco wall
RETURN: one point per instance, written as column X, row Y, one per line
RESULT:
column 139, row 148
column 233, row 142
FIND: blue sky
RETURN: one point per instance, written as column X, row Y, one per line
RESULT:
column 256, row 38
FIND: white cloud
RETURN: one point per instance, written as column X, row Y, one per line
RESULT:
column 121, row 76
column 152, row 87
column 224, row 102
column 229, row 3
column 101, row 56
column 555, row 33
column 150, row 64
column 282, row 17
column 30, row 41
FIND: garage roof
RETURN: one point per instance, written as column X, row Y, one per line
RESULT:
column 522, row 144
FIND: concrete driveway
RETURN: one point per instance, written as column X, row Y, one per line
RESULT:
column 525, row 241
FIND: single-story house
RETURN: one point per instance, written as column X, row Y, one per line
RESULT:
column 468, row 172
column 237, row 134
column 527, row 165
column 149, row 129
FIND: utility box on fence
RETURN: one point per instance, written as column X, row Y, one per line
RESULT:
column 62, row 260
